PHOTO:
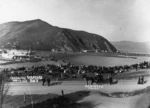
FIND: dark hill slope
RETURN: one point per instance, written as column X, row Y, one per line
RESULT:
column 39, row 35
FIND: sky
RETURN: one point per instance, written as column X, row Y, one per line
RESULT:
column 115, row 20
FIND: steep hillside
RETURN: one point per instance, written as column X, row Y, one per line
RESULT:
column 39, row 35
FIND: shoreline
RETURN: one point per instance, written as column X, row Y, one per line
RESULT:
column 62, row 57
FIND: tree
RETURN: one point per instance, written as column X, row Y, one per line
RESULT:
column 3, row 89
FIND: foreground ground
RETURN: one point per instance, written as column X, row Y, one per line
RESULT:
column 104, row 96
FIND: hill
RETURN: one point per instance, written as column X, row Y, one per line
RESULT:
column 39, row 35
column 133, row 47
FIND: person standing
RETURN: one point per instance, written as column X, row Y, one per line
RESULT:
column 43, row 80
column 136, row 67
column 110, row 80
column 48, row 81
column 142, row 79
column 87, row 79
column 139, row 80
column 92, row 80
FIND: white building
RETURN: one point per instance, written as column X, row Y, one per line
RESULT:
column 84, row 51
column 15, row 54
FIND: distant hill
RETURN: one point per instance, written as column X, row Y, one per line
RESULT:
column 135, row 47
column 39, row 35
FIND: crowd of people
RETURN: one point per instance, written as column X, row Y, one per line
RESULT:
column 70, row 71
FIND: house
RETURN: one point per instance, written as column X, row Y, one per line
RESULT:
column 89, row 51
column 14, row 54
column 84, row 51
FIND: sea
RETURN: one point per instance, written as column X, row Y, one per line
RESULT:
column 107, row 61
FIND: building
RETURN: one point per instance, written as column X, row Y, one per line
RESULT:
column 84, row 51
column 14, row 54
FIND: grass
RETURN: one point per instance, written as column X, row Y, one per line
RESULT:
column 127, row 94
column 47, row 101
column 17, row 101
column 68, row 101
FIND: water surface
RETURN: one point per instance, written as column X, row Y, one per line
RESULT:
column 107, row 61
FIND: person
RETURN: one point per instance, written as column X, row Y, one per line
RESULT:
column 43, row 80
column 142, row 79
column 110, row 80
column 92, row 80
column 139, row 80
column 136, row 66
column 101, row 78
column 48, row 81
column 87, row 79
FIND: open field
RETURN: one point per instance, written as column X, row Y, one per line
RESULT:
column 95, row 98
column 106, row 96
column 124, row 85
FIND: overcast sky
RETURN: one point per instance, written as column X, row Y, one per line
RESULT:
column 113, row 19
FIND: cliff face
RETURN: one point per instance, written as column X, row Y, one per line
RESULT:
column 39, row 35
